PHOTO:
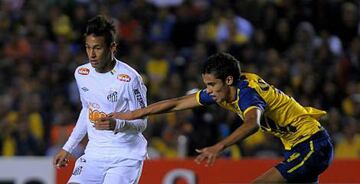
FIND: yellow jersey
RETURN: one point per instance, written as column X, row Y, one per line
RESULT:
column 281, row 114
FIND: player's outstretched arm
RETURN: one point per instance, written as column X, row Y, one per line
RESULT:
column 250, row 126
column 170, row 105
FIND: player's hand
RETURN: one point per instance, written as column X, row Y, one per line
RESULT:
column 123, row 116
column 61, row 159
column 209, row 154
column 105, row 123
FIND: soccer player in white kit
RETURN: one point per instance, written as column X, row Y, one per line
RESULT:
column 116, row 148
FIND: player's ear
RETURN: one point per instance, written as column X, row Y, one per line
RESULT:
column 229, row 80
column 113, row 47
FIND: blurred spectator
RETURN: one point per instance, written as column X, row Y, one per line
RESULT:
column 348, row 146
column 130, row 29
column 349, row 66
column 17, row 47
column 157, row 68
column 24, row 130
column 259, row 145
column 349, row 22
column 185, row 26
column 161, row 28
column 166, row 3
column 200, row 128
column 333, row 123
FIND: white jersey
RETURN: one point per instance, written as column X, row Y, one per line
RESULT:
column 119, row 90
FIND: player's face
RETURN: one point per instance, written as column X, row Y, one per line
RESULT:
column 217, row 89
column 99, row 54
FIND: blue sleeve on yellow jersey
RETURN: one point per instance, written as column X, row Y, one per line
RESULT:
column 249, row 97
column 205, row 98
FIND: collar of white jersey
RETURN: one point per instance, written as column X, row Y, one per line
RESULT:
column 112, row 71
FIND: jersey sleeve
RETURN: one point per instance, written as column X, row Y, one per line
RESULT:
column 203, row 98
column 138, row 94
column 80, row 129
column 250, row 99
column 137, row 100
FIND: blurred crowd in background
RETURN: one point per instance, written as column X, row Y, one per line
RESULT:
column 309, row 49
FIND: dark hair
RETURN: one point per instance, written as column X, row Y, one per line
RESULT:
column 101, row 26
column 222, row 65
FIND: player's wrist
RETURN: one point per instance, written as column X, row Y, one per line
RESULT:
column 65, row 151
column 220, row 146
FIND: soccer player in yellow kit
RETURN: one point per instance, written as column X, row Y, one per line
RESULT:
column 308, row 148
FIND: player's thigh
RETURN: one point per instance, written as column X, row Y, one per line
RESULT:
column 87, row 170
column 271, row 176
column 127, row 171
column 322, row 157
column 306, row 161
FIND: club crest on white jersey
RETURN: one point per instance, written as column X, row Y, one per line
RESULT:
column 112, row 96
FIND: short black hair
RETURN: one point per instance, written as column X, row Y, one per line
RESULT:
column 222, row 65
column 101, row 26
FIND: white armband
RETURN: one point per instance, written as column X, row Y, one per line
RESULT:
column 119, row 126
column 133, row 126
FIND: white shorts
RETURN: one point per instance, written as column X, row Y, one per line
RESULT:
column 106, row 170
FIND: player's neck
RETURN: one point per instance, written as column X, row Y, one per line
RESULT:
column 232, row 94
column 110, row 65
